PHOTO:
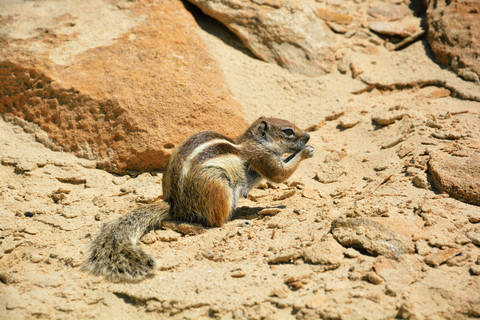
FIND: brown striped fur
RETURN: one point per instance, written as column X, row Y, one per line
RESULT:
column 203, row 180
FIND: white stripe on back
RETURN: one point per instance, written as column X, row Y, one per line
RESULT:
column 187, row 164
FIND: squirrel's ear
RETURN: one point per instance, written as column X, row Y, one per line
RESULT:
column 263, row 127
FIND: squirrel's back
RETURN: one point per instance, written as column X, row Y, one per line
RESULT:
column 204, row 178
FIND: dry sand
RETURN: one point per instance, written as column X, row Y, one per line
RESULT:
column 286, row 265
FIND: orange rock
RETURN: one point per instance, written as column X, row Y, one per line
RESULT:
column 457, row 176
column 125, row 102
column 333, row 16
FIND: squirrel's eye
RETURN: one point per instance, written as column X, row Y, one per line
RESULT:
column 288, row 132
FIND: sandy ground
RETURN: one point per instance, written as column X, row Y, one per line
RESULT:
column 287, row 264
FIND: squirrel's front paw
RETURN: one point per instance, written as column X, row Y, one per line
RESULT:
column 307, row 152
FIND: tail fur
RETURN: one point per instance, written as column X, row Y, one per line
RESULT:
column 114, row 252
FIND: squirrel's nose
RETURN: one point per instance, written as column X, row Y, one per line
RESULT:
column 306, row 137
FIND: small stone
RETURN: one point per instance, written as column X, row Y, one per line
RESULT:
column 7, row 278
column 329, row 173
column 120, row 180
column 285, row 257
column 25, row 166
column 356, row 69
column 332, row 16
column 475, row 269
column 447, row 135
column 310, row 193
column 420, row 180
column 279, row 293
column 269, row 212
column 238, row 274
column 324, row 253
column 36, row 258
column 337, row 28
column 474, row 237
column 29, row 214
column 440, row 257
column 374, row 278
column 422, row 248
column 474, row 219
column 351, row 253
column 8, row 244
column 285, row 195
column 315, row 127
column 149, row 238
column 386, row 118
column 72, row 180
column 296, row 285
column 403, row 28
column 349, row 122
column 167, row 235
column 462, row 239
column 297, row 184
column 334, row 115
column 381, row 167
column 439, row 93
column 392, row 141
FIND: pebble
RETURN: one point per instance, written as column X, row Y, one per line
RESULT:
column 394, row 28
column 36, row 258
column 167, row 235
column 386, row 118
column 439, row 93
column 349, row 122
column 447, row 135
column 334, row 115
column 29, row 214
column 285, row 195
column 475, row 269
column 8, row 244
column 269, row 212
column 279, row 293
column 25, row 166
column 351, row 253
column 474, row 219
column 440, row 257
column 149, row 238
column 356, row 69
column 310, row 193
column 474, row 236
column 238, row 274
column 374, row 278
column 422, row 248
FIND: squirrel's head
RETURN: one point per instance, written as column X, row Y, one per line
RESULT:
column 278, row 135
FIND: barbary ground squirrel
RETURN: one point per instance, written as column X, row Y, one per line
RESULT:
column 203, row 180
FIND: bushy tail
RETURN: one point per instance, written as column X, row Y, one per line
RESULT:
column 114, row 252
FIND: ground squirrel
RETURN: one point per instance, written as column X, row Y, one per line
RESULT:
column 203, row 180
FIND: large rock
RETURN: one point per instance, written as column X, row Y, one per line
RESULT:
column 454, row 35
column 457, row 176
column 118, row 82
column 289, row 33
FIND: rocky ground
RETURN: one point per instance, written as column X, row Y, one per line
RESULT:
column 382, row 223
